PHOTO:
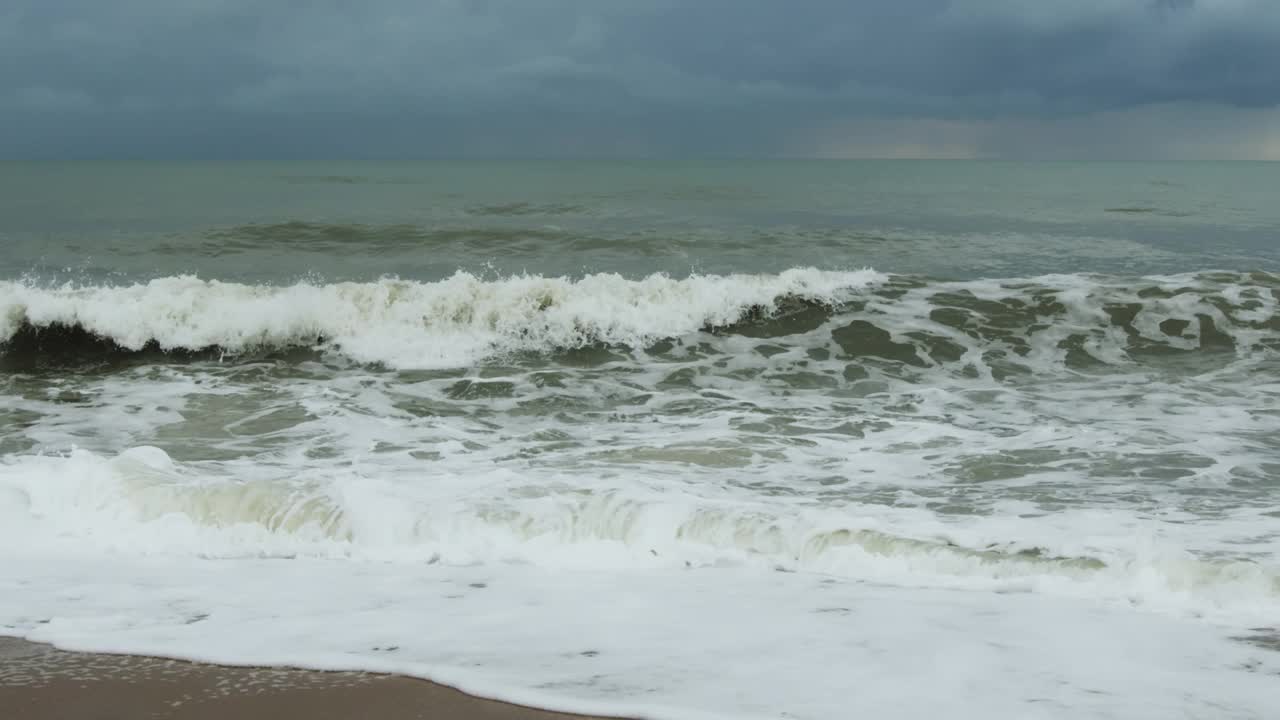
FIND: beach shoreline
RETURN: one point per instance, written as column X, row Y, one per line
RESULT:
column 41, row 682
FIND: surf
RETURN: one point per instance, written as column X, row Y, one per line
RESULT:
column 142, row 501
column 995, row 326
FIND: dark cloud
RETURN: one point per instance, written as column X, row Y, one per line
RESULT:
column 426, row 77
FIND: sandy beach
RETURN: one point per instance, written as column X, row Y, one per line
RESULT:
column 40, row 682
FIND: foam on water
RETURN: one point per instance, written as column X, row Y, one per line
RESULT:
column 809, row 494
column 656, row 642
column 662, row 644
column 141, row 502
column 410, row 324
column 463, row 319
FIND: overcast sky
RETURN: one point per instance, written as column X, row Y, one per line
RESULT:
column 795, row 78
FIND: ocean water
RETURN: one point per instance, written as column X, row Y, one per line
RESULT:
column 671, row 440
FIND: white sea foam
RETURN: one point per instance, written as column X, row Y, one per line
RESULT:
column 448, row 323
column 464, row 319
column 988, row 489
column 141, row 502
column 656, row 643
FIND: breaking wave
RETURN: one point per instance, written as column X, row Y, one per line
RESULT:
column 405, row 324
column 142, row 501
column 991, row 326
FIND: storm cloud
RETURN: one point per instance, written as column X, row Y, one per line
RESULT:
column 406, row 78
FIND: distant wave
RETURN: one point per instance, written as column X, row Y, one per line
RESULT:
column 361, row 238
column 517, row 209
column 1070, row 320
column 1142, row 210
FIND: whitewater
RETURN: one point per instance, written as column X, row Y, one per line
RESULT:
column 408, row 324
column 658, row 468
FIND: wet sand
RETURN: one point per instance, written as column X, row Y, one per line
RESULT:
column 39, row 682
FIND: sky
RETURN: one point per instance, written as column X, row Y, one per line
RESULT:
column 228, row 79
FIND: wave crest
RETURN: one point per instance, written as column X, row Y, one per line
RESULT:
column 992, row 327
column 406, row 324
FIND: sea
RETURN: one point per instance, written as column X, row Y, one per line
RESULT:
column 672, row 440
